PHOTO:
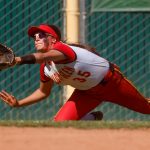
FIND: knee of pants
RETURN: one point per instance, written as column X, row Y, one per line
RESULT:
column 67, row 112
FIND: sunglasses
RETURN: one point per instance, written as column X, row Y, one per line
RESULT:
column 40, row 35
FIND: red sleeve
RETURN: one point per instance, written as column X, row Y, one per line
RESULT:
column 43, row 77
column 66, row 50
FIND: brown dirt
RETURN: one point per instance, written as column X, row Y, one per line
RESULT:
column 12, row 138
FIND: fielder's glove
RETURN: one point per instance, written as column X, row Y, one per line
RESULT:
column 7, row 57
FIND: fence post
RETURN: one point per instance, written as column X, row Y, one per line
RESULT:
column 82, row 21
column 72, row 31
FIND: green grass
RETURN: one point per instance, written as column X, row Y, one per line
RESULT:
column 80, row 124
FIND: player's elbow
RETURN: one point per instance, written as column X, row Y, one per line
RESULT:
column 45, row 94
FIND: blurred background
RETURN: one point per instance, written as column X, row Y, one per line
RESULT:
column 120, row 31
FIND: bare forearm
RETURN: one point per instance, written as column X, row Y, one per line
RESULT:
column 40, row 57
column 31, row 59
column 33, row 98
column 28, row 59
column 41, row 93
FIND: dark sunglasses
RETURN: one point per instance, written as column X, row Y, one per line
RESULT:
column 40, row 35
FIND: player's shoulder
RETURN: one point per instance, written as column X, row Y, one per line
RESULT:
column 42, row 67
column 61, row 45
column 66, row 50
column 43, row 77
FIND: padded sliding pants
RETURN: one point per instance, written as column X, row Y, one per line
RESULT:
column 117, row 90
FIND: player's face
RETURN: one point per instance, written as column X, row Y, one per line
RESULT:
column 43, row 41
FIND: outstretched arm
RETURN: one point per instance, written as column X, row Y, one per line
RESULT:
column 38, row 95
column 52, row 55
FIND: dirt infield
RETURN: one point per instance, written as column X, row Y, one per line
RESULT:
column 13, row 138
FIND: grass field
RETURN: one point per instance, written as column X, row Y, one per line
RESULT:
column 80, row 124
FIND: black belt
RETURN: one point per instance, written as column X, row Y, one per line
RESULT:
column 108, row 75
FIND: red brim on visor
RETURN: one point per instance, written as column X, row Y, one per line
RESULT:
column 43, row 28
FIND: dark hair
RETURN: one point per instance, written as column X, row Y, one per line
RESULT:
column 57, row 30
column 85, row 46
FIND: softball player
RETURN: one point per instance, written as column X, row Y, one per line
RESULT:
column 94, row 78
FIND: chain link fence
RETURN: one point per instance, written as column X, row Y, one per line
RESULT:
column 21, row 81
column 121, row 37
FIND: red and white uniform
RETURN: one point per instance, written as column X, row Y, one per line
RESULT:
column 84, row 70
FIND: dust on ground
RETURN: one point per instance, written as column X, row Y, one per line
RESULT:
column 17, row 138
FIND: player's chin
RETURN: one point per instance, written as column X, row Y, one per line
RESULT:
column 41, row 50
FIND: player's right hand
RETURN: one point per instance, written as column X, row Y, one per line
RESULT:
column 8, row 98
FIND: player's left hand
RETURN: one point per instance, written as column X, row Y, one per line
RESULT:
column 8, row 98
